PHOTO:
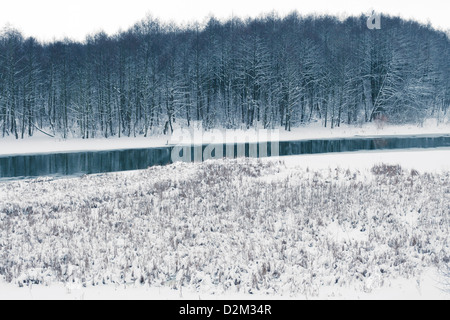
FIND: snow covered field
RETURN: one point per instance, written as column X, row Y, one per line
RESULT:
column 44, row 144
column 309, row 227
column 425, row 160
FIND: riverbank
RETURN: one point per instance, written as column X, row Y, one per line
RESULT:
column 41, row 143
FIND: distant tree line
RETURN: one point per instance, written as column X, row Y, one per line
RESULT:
column 265, row 72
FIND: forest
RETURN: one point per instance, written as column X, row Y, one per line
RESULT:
column 265, row 72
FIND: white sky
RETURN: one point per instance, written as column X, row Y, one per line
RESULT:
column 56, row 19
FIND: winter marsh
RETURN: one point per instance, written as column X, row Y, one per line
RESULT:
column 233, row 226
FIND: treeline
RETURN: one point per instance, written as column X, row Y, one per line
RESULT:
column 265, row 72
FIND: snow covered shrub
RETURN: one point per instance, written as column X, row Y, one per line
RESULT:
column 387, row 170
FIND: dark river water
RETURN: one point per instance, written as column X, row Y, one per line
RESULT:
column 92, row 162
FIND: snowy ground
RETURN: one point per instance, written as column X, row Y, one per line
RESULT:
column 425, row 160
column 306, row 228
column 424, row 287
column 44, row 144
